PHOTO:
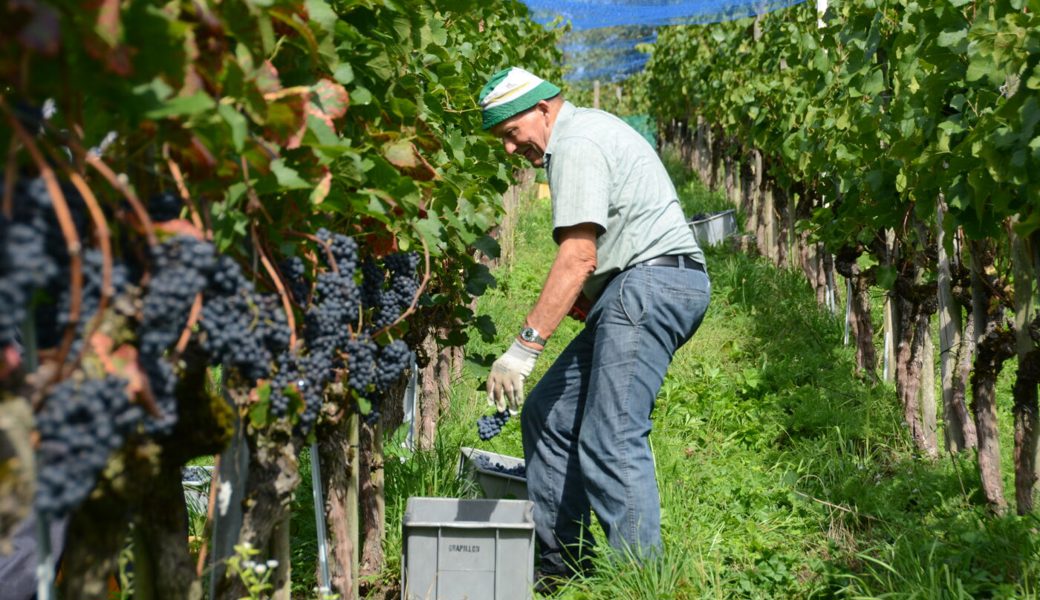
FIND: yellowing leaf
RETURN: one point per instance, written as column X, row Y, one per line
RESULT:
column 401, row 154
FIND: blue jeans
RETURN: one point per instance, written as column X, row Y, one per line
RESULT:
column 586, row 423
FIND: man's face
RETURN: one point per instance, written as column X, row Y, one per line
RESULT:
column 526, row 134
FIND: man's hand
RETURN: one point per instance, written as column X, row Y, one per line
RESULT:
column 505, row 383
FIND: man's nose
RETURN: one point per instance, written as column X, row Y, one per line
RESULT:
column 510, row 147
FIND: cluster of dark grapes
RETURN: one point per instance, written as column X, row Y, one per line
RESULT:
column 335, row 307
column 181, row 268
column 304, row 377
column 489, row 426
column 487, row 464
column 326, row 333
column 164, row 206
column 80, row 425
column 34, row 261
column 295, row 274
column 84, row 420
column 362, row 356
column 344, row 250
column 337, row 303
column 31, row 250
column 372, row 279
column 244, row 329
column 400, row 291
column 51, row 323
column 394, row 359
column 373, row 370
column 285, row 381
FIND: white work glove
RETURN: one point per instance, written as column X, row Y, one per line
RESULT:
column 505, row 383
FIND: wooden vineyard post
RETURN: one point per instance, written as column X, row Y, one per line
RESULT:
column 889, row 352
column 832, row 287
column 956, row 420
column 324, row 576
column 595, row 94
column 928, row 404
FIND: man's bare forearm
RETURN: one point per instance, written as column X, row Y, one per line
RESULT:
column 575, row 261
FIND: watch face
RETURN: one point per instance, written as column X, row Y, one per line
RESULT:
column 528, row 334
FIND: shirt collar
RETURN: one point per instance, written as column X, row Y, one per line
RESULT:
column 566, row 112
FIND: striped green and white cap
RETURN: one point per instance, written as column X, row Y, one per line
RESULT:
column 512, row 91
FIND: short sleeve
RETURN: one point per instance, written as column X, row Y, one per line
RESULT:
column 579, row 179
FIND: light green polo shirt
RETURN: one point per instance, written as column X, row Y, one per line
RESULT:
column 603, row 171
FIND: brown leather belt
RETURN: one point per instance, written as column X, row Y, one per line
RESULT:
column 675, row 260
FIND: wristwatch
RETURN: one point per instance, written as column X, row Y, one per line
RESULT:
column 530, row 334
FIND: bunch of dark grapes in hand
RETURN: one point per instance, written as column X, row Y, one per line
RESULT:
column 80, row 425
column 489, row 426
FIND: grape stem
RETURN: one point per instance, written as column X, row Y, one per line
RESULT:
column 325, row 246
column 104, row 239
column 193, row 318
column 278, row 284
column 101, row 167
column 68, row 231
column 178, row 177
column 254, row 200
column 418, row 292
column 105, row 244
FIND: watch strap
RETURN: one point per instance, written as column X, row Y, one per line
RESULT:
column 530, row 334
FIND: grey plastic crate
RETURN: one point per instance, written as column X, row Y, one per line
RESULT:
column 494, row 484
column 467, row 549
column 715, row 228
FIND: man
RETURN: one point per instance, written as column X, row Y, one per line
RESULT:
column 628, row 257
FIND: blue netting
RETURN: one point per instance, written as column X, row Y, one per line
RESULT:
column 602, row 43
